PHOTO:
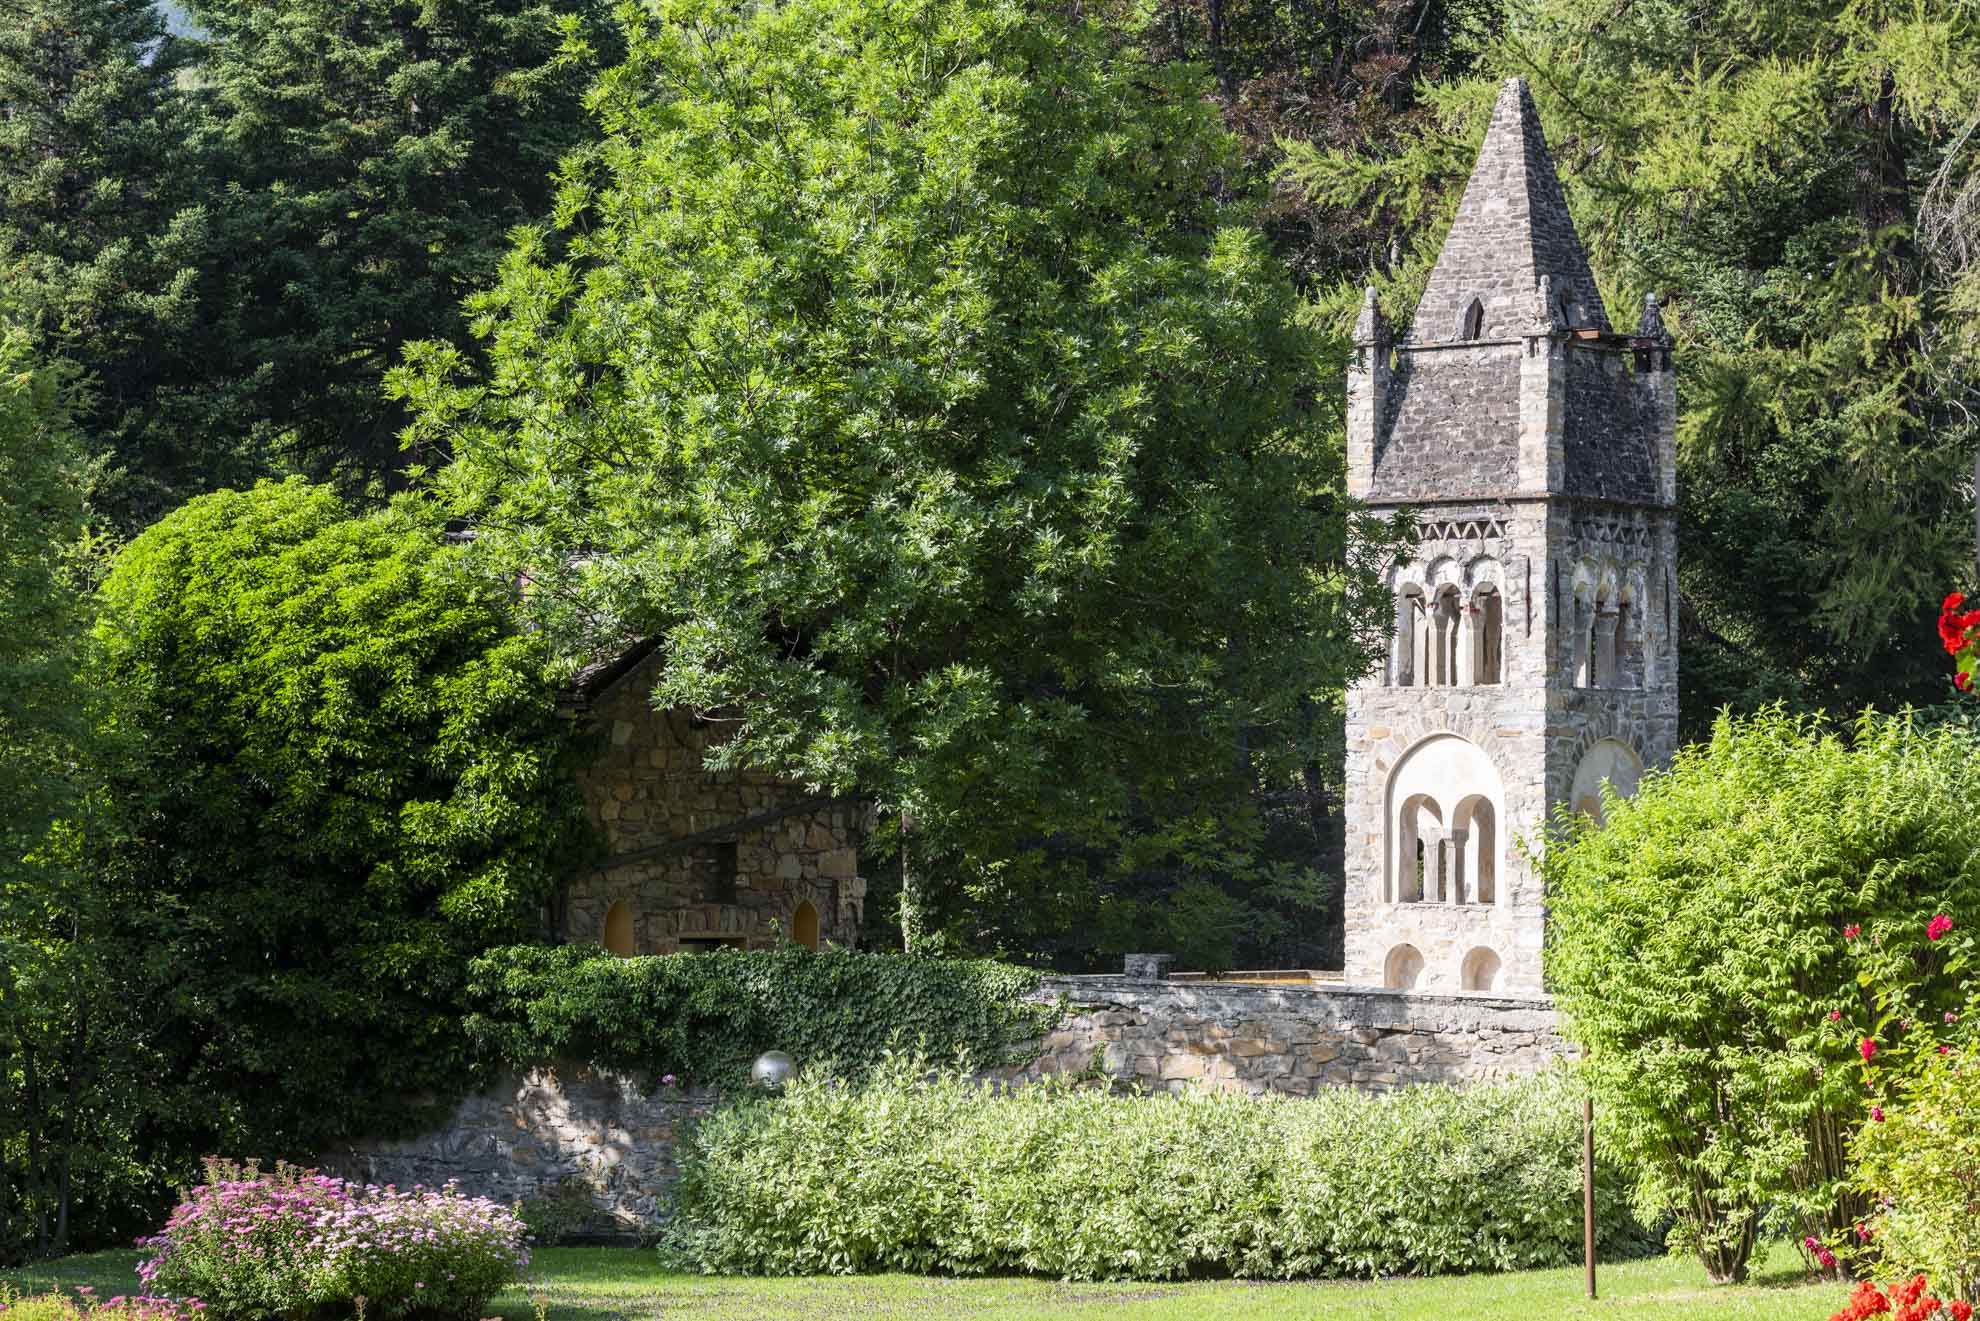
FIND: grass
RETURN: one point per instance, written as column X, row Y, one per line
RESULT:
column 594, row 1284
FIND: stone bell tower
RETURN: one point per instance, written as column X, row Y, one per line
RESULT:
column 1534, row 653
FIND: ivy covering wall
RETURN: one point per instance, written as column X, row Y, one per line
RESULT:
column 705, row 1017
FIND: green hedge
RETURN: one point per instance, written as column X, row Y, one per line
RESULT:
column 916, row 1172
column 705, row 1017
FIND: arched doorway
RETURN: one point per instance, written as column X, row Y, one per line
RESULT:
column 804, row 925
column 619, row 929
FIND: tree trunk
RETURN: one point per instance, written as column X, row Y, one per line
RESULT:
column 914, row 904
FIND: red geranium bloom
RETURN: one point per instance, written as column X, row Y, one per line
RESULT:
column 1953, row 601
column 1937, row 927
column 1852, row 931
column 1962, row 681
column 1868, row 1048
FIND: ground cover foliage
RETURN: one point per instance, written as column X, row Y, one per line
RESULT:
column 913, row 1170
column 1700, row 949
column 584, row 1284
column 703, row 1018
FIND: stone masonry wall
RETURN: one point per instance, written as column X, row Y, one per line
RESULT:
column 614, row 1137
column 1170, row 1036
column 647, row 789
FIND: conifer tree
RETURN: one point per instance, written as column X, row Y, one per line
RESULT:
column 377, row 154
column 102, row 240
column 1788, row 180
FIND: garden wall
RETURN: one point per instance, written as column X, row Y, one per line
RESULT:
column 1234, row 1037
column 532, row 1131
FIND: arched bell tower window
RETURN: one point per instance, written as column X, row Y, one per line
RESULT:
column 1487, row 618
column 1472, row 323
column 1448, row 617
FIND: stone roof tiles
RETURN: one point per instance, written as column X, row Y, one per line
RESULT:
column 1512, row 228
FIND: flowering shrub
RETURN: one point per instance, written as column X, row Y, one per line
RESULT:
column 85, row 1307
column 419, row 1251
column 243, row 1241
column 286, row 1242
column 1959, row 630
column 1701, row 949
column 1918, row 1155
column 1906, row 1302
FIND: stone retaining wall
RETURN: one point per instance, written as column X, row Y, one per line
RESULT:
column 1172, row 1035
column 533, row 1131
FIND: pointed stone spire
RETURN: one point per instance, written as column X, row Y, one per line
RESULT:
column 1512, row 228
column 1371, row 327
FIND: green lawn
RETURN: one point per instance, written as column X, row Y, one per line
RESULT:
column 597, row 1284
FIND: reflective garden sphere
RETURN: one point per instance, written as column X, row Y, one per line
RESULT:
column 773, row 1068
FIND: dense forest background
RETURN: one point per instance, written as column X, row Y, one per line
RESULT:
column 227, row 220
column 297, row 242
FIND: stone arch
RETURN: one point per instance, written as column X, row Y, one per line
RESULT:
column 1487, row 618
column 1475, row 849
column 1444, row 768
column 1409, row 645
column 1447, row 626
column 1420, row 871
column 1577, row 628
column 1471, row 320
column 618, row 933
column 804, row 925
column 1605, row 759
column 1480, row 970
column 1403, row 969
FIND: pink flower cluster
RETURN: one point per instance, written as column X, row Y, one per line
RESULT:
column 122, row 1307
column 295, row 1240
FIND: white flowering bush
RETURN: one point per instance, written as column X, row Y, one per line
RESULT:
column 914, row 1171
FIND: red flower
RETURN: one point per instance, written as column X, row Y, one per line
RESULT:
column 1852, row 931
column 1960, row 1309
column 1963, row 681
column 1868, row 1048
column 1937, row 927
column 1877, row 1113
column 1953, row 601
column 1835, row 1015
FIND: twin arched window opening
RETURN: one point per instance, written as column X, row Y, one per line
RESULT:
column 1457, row 864
column 1442, row 642
column 1606, row 652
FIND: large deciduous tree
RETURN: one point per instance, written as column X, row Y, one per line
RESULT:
column 1789, row 180
column 911, row 375
column 45, row 966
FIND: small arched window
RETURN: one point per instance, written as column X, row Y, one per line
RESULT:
column 1472, row 323
column 618, row 938
column 804, row 925
column 1409, row 610
column 1448, row 615
column 1480, row 971
column 1403, row 968
column 1488, row 618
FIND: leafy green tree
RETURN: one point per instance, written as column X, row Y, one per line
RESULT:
column 911, row 377
column 344, row 775
column 1789, row 180
column 44, row 966
column 1698, row 944
column 375, row 155
column 105, row 248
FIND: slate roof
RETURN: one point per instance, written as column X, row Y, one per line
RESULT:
column 1512, row 227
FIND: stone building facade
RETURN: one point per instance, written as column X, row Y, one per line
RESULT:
column 1534, row 653
column 696, row 859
